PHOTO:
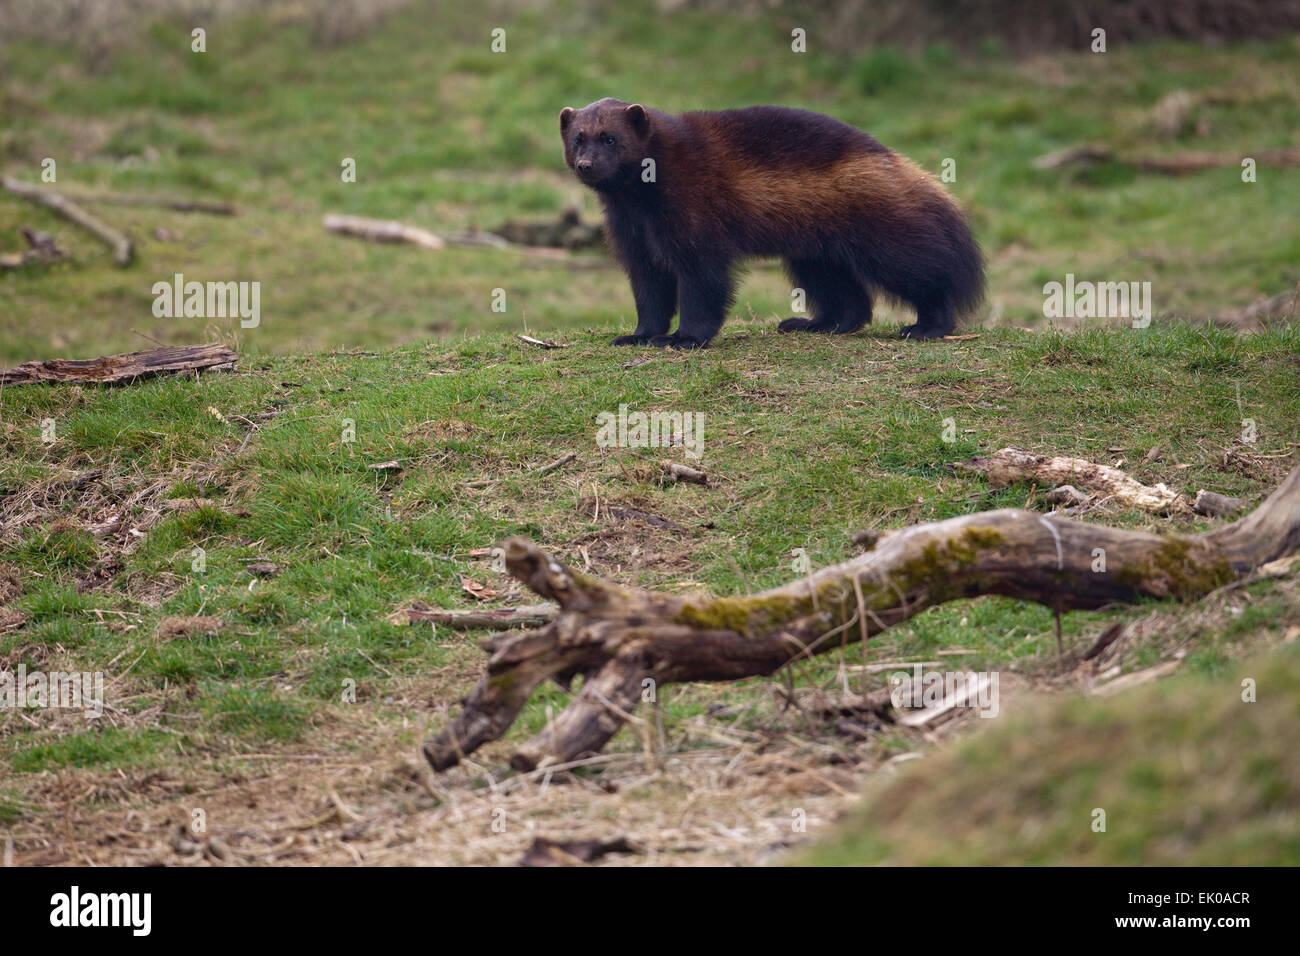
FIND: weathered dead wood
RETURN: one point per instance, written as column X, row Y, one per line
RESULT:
column 383, row 230
column 624, row 640
column 41, row 247
column 532, row 615
column 541, row 343
column 1176, row 165
column 673, row 471
column 1073, row 155
column 122, row 248
column 214, row 207
column 1010, row 465
column 1108, row 637
column 112, row 369
column 1183, row 163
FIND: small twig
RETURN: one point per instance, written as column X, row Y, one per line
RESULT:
column 544, row 469
column 558, row 463
column 541, row 344
column 214, row 207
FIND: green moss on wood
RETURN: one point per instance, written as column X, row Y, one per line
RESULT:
column 937, row 566
column 1187, row 575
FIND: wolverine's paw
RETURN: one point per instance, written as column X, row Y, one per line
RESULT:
column 676, row 341
column 921, row 332
column 630, row 340
column 797, row 324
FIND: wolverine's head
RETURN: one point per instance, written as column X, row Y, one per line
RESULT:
column 604, row 142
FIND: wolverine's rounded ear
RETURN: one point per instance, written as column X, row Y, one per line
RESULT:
column 566, row 115
column 637, row 118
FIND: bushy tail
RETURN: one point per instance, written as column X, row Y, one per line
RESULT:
column 965, row 264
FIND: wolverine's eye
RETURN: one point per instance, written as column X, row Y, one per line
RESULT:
column 607, row 139
column 579, row 140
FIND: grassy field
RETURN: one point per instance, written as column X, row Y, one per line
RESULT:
column 130, row 517
column 255, row 467
column 448, row 135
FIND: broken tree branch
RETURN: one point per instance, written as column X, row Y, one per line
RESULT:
column 120, row 244
column 213, row 207
column 532, row 615
column 620, row 638
column 1010, row 465
column 540, row 343
column 673, row 471
column 383, row 230
column 41, row 247
column 112, row 369
column 1175, row 165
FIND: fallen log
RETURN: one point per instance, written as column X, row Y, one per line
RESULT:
column 382, row 230
column 624, row 640
column 113, row 369
column 122, row 248
column 1175, row 165
column 214, row 207
column 1010, row 465
column 1183, row 163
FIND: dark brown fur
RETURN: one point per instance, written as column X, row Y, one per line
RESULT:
column 849, row 216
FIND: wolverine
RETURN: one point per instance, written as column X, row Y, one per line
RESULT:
column 687, row 197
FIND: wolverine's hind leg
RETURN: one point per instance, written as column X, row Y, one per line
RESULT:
column 841, row 303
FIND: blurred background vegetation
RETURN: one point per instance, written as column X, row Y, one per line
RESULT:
column 448, row 135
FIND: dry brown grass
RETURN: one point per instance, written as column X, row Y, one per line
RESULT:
column 722, row 788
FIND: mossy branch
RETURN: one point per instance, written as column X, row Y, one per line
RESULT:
column 625, row 640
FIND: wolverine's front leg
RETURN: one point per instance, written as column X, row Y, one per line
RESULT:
column 706, row 293
column 655, row 292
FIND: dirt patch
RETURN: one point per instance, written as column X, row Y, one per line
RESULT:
column 194, row 625
column 31, row 653
column 628, row 551
column 439, row 430
column 702, row 804
column 11, row 583
column 738, row 783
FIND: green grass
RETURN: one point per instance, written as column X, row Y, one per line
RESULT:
column 469, row 138
column 1185, row 772
column 811, row 440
